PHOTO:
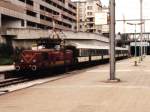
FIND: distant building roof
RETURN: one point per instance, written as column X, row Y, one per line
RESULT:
column 21, row 33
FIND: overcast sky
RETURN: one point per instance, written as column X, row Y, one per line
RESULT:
column 130, row 9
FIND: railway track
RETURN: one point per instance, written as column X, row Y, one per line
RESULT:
column 8, row 85
column 15, row 84
column 39, row 75
column 13, row 81
column 5, row 85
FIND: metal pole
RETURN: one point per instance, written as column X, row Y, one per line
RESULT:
column 135, row 47
column 135, row 41
column 112, row 40
column 145, row 44
column 141, row 18
column 144, row 41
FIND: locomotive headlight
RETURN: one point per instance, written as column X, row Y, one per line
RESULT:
column 22, row 61
column 34, row 61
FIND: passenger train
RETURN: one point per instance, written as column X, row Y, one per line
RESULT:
column 33, row 60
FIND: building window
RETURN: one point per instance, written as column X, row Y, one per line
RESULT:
column 89, row 7
column 31, row 13
column 22, row 0
column 80, row 26
column 29, row 2
column 22, row 22
column 42, row 7
column 42, row 17
column 31, row 24
column 89, row 13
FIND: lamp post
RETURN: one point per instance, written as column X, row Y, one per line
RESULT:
column 135, row 49
column 112, row 42
column 144, row 41
column 141, row 19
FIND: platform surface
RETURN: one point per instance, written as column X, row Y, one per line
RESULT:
column 86, row 91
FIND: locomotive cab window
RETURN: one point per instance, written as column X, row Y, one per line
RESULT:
column 45, row 56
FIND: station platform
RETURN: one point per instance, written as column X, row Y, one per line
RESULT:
column 87, row 91
column 6, row 68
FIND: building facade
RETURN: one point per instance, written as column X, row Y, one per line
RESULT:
column 105, row 28
column 41, row 14
column 86, row 16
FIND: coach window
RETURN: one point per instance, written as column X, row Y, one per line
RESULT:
column 105, row 52
column 88, row 51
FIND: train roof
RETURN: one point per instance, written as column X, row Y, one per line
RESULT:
column 121, row 48
column 40, row 50
column 82, row 46
column 87, row 46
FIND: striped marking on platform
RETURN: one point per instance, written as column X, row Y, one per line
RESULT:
column 108, row 71
column 93, row 86
column 119, row 70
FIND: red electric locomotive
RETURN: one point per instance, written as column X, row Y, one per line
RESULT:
column 42, row 59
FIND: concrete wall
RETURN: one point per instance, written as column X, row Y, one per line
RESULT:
column 1, row 39
column 26, row 44
column 28, row 33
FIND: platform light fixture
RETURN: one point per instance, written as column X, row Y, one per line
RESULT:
column 112, row 41
column 135, row 41
column 141, row 19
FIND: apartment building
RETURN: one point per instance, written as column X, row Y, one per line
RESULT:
column 38, row 14
column 86, row 16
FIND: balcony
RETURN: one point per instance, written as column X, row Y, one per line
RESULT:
column 59, row 10
column 11, row 6
column 48, row 23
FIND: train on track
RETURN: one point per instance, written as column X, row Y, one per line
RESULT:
column 33, row 60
